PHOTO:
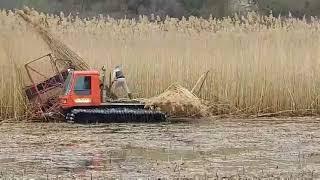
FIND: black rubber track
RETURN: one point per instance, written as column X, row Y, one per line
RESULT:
column 115, row 115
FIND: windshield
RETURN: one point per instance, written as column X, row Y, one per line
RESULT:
column 67, row 84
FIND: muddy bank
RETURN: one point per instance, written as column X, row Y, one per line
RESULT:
column 225, row 148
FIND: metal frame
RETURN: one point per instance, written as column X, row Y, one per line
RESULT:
column 43, row 104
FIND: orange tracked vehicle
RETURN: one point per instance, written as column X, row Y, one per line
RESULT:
column 81, row 96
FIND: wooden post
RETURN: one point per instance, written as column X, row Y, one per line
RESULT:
column 203, row 77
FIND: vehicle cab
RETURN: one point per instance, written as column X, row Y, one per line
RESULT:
column 81, row 88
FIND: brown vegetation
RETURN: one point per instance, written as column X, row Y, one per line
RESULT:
column 177, row 101
column 257, row 64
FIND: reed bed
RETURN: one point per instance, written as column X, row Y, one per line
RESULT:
column 258, row 64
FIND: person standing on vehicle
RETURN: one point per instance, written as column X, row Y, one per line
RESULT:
column 119, row 80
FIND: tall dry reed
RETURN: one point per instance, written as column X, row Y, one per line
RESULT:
column 258, row 64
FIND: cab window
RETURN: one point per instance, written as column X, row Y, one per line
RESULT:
column 67, row 84
column 83, row 86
